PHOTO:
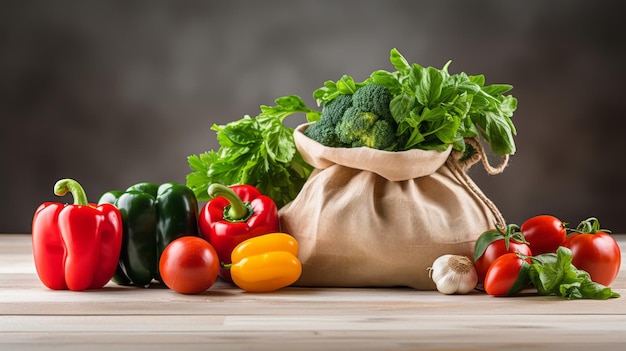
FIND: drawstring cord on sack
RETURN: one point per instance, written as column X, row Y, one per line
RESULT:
column 480, row 155
column 459, row 168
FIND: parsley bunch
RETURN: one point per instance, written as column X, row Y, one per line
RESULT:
column 258, row 151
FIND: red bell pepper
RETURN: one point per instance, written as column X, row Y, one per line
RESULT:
column 235, row 214
column 77, row 246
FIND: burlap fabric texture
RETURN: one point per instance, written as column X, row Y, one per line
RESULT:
column 372, row 218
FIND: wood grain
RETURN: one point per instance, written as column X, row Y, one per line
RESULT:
column 226, row 318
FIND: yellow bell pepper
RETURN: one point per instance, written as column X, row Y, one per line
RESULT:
column 265, row 263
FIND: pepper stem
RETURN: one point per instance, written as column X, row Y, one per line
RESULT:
column 237, row 210
column 64, row 186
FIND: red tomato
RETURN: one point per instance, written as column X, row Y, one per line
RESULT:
column 544, row 233
column 189, row 265
column 495, row 250
column 597, row 254
column 507, row 275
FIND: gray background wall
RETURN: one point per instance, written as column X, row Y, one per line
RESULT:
column 115, row 92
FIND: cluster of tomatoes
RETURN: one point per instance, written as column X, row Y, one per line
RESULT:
column 500, row 253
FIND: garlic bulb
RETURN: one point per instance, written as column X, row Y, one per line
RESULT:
column 453, row 274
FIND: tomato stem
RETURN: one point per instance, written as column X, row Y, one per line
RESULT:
column 590, row 225
column 511, row 231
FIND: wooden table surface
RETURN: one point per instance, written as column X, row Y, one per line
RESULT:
column 226, row 318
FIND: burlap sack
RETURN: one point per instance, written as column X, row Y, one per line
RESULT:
column 371, row 218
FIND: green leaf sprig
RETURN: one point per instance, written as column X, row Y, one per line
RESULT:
column 506, row 233
column 258, row 151
column 554, row 274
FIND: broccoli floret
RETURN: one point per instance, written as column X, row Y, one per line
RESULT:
column 323, row 132
column 373, row 98
column 360, row 128
column 369, row 122
column 382, row 136
column 333, row 111
column 360, row 119
column 354, row 124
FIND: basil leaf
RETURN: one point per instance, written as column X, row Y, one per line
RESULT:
column 480, row 109
column 436, row 114
column 398, row 61
column 547, row 273
column 447, row 132
column 326, row 93
column 483, row 242
column 401, row 106
column 429, row 88
column 388, row 80
column 477, row 79
column 346, row 85
column 497, row 89
column 554, row 274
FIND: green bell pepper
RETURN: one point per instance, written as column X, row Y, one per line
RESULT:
column 152, row 216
